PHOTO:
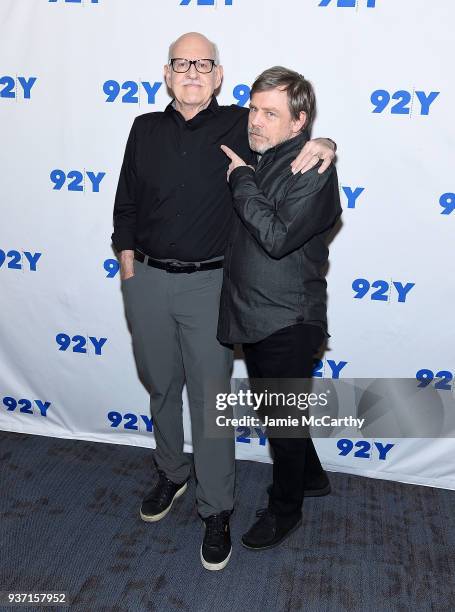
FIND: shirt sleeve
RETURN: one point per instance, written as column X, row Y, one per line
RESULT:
column 125, row 209
column 310, row 206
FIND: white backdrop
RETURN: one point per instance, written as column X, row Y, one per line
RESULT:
column 381, row 73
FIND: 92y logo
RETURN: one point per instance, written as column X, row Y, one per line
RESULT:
column 80, row 343
column 9, row 88
column 364, row 448
column 362, row 286
column 131, row 91
column 447, row 201
column 352, row 193
column 16, row 262
column 443, row 379
column 130, row 420
column 241, row 93
column 76, row 180
column 26, row 406
column 403, row 102
column 329, row 368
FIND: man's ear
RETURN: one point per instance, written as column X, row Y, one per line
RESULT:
column 219, row 76
column 167, row 75
column 299, row 124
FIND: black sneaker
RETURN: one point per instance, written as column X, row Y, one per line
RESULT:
column 158, row 503
column 316, row 488
column 216, row 547
column 270, row 530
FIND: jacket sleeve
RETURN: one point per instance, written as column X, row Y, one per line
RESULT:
column 310, row 206
column 125, row 198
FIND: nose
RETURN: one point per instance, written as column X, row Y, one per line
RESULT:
column 192, row 72
column 256, row 120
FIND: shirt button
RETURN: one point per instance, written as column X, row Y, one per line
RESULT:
column 182, row 185
column 178, row 214
column 172, row 244
column 183, row 153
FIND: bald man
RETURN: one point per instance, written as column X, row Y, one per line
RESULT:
column 172, row 216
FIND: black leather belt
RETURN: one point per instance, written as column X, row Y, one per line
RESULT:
column 176, row 267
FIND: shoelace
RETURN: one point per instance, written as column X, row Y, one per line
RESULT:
column 163, row 488
column 215, row 529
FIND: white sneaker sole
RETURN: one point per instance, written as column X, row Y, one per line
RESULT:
column 157, row 517
column 215, row 566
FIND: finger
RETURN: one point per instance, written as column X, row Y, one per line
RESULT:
column 325, row 164
column 303, row 164
column 302, row 158
column 311, row 164
column 229, row 152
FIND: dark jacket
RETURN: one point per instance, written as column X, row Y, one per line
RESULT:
column 276, row 258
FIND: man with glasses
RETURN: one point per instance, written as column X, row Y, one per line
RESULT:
column 172, row 216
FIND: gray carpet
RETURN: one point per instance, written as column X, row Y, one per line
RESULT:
column 69, row 522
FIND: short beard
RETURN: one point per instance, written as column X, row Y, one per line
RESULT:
column 266, row 146
column 258, row 149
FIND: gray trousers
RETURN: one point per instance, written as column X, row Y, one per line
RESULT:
column 173, row 319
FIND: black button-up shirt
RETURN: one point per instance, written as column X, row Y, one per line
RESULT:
column 173, row 200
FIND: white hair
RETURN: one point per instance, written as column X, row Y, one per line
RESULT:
column 216, row 53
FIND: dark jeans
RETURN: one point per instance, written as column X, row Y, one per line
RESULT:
column 288, row 353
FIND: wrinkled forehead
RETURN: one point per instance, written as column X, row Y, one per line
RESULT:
column 276, row 97
column 193, row 48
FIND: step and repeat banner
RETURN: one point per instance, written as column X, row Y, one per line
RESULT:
column 75, row 73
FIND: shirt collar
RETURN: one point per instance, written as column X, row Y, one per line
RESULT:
column 288, row 146
column 213, row 107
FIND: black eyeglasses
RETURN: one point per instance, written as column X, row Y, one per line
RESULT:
column 204, row 66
